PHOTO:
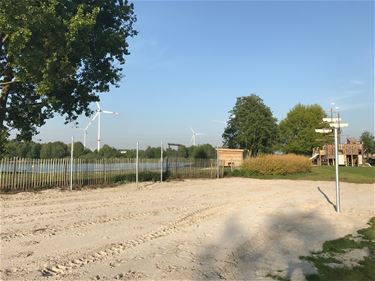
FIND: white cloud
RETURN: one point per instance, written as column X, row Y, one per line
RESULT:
column 357, row 82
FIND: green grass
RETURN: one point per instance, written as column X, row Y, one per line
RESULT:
column 363, row 272
column 321, row 173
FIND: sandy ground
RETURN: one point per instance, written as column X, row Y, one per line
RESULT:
column 230, row 228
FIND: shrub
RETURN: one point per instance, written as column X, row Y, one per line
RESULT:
column 277, row 165
column 142, row 176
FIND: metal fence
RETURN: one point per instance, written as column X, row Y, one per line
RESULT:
column 31, row 174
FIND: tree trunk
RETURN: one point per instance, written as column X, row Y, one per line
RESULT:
column 4, row 94
column 3, row 102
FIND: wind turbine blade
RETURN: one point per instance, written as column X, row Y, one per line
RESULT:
column 88, row 125
column 110, row 112
column 219, row 121
column 98, row 105
column 96, row 115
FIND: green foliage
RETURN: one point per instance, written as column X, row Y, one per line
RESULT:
column 152, row 153
column 369, row 233
column 142, row 176
column 205, row 151
column 108, row 152
column 55, row 149
column 182, row 152
column 297, row 130
column 199, row 153
column 368, row 141
column 55, row 55
column 277, row 165
column 15, row 148
column 78, row 150
column 251, row 126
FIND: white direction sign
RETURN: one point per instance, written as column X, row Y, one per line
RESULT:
column 338, row 125
column 323, row 131
column 332, row 120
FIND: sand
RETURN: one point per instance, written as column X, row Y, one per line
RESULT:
column 231, row 228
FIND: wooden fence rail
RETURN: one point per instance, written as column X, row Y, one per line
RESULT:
column 21, row 174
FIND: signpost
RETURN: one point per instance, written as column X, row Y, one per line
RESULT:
column 323, row 131
column 332, row 119
column 335, row 124
column 337, row 172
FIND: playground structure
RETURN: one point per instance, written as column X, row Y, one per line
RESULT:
column 349, row 154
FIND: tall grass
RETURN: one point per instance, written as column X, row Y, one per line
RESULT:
column 277, row 165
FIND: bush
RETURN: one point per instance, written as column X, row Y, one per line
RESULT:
column 277, row 165
column 142, row 176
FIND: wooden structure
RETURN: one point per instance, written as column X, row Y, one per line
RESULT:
column 350, row 154
column 231, row 157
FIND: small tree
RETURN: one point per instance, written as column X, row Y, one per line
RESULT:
column 251, row 126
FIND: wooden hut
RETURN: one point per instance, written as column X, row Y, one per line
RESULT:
column 350, row 154
column 231, row 157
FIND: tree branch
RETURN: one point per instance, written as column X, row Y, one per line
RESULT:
column 8, row 82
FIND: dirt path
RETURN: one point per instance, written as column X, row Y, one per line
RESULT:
column 196, row 229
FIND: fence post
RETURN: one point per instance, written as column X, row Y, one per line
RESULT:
column 137, row 165
column 71, row 164
column 105, row 171
column 161, row 162
column 217, row 163
column 14, row 173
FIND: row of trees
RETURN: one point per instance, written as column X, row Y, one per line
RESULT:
column 252, row 126
column 15, row 148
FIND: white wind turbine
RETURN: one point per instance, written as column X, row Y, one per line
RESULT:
column 98, row 113
column 193, row 137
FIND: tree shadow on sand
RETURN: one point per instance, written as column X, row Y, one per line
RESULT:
column 268, row 249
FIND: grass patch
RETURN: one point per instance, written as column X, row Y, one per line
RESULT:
column 364, row 269
column 319, row 173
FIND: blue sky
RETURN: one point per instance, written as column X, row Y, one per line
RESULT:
column 192, row 59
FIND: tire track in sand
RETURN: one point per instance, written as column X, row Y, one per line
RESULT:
column 115, row 249
column 52, row 230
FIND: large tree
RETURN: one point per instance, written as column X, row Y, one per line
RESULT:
column 251, row 126
column 56, row 56
column 297, row 130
